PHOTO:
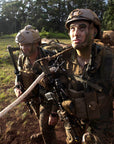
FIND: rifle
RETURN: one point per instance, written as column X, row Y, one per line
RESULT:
column 59, row 96
column 17, row 73
column 11, row 50
column 89, row 83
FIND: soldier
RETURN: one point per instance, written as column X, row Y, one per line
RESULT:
column 89, row 69
column 29, row 41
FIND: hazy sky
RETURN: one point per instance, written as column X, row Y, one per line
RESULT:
column 106, row 1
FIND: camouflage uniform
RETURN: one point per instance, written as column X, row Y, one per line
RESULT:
column 36, row 99
column 93, row 108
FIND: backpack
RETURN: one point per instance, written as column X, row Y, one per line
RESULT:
column 53, row 45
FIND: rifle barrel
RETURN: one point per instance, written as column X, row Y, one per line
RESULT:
column 11, row 49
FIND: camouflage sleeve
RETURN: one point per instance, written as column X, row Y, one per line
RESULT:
column 19, row 65
column 106, row 69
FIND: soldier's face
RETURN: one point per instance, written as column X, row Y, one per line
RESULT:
column 28, row 49
column 79, row 34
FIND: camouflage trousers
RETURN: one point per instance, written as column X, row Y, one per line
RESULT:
column 34, row 106
column 48, row 131
column 42, row 112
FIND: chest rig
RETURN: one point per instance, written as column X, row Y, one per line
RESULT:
column 85, row 89
column 30, row 72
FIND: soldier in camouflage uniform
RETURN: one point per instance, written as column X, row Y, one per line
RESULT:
column 92, row 92
column 29, row 42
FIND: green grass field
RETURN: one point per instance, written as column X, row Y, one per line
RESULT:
column 6, row 71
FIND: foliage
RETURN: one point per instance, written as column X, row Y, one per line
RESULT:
column 53, row 35
column 108, row 18
column 43, row 13
column 8, row 36
column 43, row 34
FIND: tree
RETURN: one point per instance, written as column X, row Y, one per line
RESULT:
column 46, row 14
column 38, row 14
column 10, row 15
column 108, row 17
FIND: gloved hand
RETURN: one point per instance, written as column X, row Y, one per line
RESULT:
column 53, row 119
column 69, row 106
column 17, row 91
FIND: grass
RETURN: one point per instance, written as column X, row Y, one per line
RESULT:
column 7, row 70
column 7, row 76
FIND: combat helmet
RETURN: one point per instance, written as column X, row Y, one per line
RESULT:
column 27, row 35
column 84, row 14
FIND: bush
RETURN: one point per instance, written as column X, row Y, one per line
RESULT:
column 43, row 34
column 53, row 35
column 8, row 36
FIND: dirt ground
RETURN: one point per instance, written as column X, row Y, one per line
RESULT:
column 18, row 125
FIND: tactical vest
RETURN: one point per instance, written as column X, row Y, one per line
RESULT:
column 29, row 73
column 90, row 103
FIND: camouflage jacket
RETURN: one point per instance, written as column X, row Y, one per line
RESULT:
column 28, row 72
column 98, row 71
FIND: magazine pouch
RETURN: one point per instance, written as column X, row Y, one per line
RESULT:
column 92, row 105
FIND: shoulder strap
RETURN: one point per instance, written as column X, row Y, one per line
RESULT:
column 95, row 60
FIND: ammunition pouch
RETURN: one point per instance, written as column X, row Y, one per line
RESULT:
column 92, row 106
column 88, row 105
column 27, row 78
